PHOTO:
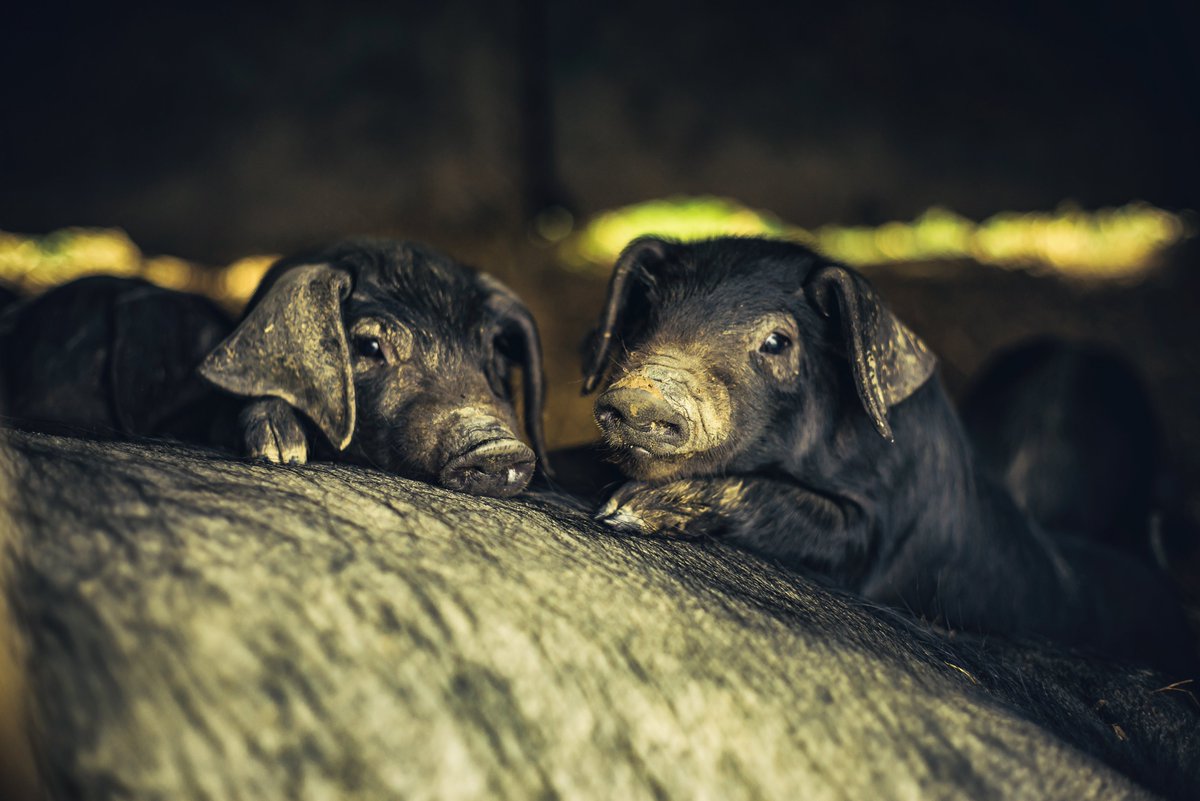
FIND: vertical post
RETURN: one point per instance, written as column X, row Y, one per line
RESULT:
column 540, row 187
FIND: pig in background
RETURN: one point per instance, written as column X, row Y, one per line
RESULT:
column 1069, row 430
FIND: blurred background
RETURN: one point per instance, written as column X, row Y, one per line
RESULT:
column 999, row 169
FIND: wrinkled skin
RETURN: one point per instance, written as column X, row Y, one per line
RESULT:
column 405, row 365
column 755, row 392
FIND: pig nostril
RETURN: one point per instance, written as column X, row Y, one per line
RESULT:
column 664, row 431
column 607, row 417
column 663, row 428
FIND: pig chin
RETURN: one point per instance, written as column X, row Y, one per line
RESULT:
column 643, row 466
column 645, row 460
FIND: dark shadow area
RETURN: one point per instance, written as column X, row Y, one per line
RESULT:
column 209, row 131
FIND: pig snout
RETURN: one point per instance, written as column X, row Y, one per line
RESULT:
column 641, row 418
column 489, row 461
column 670, row 405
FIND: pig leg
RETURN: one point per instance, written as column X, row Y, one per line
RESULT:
column 775, row 518
column 272, row 432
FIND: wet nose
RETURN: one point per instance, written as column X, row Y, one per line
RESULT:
column 646, row 415
column 499, row 467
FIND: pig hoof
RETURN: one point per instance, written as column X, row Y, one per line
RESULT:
column 618, row 515
column 265, row 441
column 640, row 509
column 273, row 434
column 622, row 520
column 681, row 510
column 648, row 524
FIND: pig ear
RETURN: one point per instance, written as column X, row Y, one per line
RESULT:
column 516, row 336
column 889, row 361
column 633, row 266
column 292, row 345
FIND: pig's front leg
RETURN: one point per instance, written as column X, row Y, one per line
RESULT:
column 271, row 431
column 772, row 517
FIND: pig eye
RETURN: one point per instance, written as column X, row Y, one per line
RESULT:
column 368, row 347
column 775, row 344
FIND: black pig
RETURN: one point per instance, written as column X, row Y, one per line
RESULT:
column 353, row 661
column 1068, row 429
column 400, row 356
column 761, row 393
column 112, row 357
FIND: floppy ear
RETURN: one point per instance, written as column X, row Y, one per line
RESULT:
column 159, row 337
column 292, row 345
column 515, row 334
column 633, row 266
column 889, row 361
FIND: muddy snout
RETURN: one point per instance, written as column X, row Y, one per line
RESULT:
column 494, row 464
column 667, row 407
column 641, row 418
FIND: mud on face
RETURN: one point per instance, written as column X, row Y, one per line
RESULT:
column 700, row 384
